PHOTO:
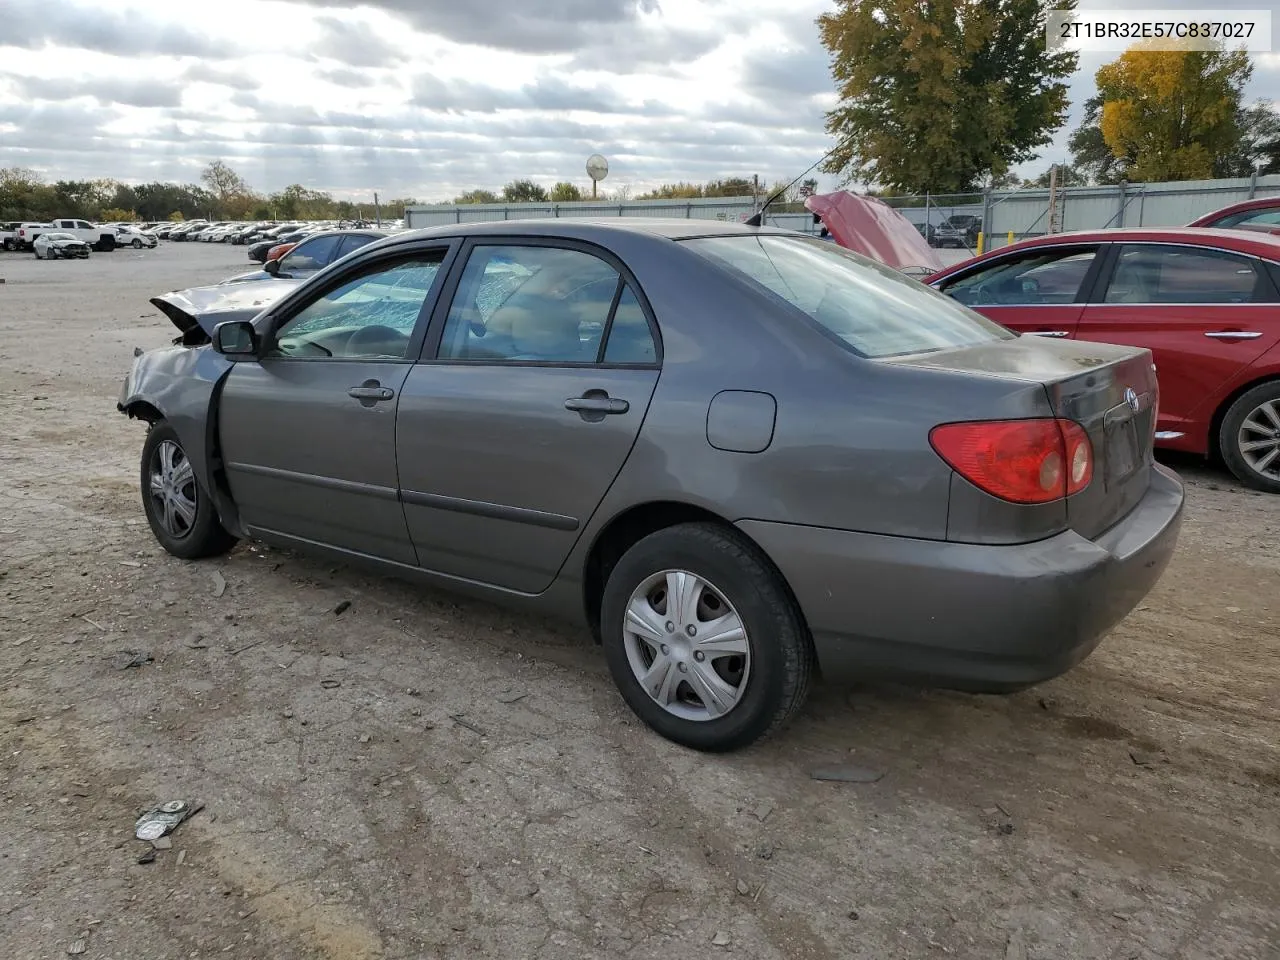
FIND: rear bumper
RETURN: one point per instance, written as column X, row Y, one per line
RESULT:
column 968, row 616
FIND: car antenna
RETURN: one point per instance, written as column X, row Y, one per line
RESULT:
column 757, row 218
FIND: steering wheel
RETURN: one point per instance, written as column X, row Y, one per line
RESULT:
column 373, row 339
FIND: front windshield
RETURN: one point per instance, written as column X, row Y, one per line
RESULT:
column 872, row 309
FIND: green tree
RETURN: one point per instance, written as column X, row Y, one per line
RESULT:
column 478, row 196
column 118, row 215
column 729, row 187
column 1089, row 151
column 673, row 191
column 942, row 95
column 524, row 191
column 1173, row 114
column 565, row 192
column 1259, row 145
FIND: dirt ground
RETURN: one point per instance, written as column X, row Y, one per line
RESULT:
column 422, row 777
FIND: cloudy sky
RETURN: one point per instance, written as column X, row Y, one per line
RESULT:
column 428, row 98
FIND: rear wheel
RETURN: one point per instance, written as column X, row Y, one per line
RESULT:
column 1249, row 437
column 703, row 639
column 180, row 513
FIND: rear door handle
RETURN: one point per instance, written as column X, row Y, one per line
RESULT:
column 1048, row 333
column 601, row 405
column 1233, row 334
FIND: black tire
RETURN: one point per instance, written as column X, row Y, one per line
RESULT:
column 781, row 651
column 205, row 537
column 137, row 244
column 1229, row 438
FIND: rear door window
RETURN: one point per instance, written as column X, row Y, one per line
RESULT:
column 873, row 310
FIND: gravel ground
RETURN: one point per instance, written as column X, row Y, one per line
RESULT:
column 420, row 776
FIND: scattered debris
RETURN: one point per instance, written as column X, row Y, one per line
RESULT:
column 77, row 947
column 365, row 738
column 765, row 850
column 248, row 646
column 721, row 939
column 853, row 914
column 127, row 659
column 510, row 697
column 847, row 773
column 182, row 856
column 219, row 584
column 331, row 684
column 147, row 856
column 1047, row 703
column 1015, row 948
column 413, row 692
column 744, row 888
column 162, row 843
column 342, row 608
column 164, row 818
column 763, row 810
column 21, row 720
column 21, row 640
column 1120, row 916
column 130, row 563
column 94, row 623
column 1005, row 829
column 1140, row 758
column 462, row 721
column 1004, row 811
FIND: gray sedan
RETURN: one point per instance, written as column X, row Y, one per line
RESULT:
column 739, row 456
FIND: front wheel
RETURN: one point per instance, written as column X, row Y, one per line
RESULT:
column 703, row 639
column 1250, row 438
column 180, row 513
column 137, row 244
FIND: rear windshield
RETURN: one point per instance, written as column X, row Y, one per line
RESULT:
column 872, row 309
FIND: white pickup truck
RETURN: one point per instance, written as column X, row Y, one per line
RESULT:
column 100, row 238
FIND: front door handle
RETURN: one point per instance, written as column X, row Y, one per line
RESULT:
column 1233, row 334
column 1048, row 333
column 595, row 405
column 371, row 392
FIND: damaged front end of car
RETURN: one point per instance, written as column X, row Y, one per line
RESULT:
column 179, row 384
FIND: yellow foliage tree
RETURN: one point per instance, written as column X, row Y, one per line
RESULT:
column 1172, row 113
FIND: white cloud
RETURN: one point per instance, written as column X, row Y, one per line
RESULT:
column 427, row 98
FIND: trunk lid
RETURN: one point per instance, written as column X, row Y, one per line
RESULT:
column 1110, row 390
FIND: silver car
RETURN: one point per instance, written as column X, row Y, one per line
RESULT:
column 739, row 456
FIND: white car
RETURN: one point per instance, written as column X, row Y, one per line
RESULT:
column 56, row 246
column 131, row 237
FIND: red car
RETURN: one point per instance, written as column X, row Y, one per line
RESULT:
column 1261, row 214
column 1206, row 302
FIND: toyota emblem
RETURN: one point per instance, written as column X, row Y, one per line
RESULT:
column 1131, row 398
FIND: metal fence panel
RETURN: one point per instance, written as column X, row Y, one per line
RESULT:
column 1025, row 212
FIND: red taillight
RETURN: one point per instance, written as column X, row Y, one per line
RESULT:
column 1022, row 461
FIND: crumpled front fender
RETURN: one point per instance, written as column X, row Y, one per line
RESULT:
column 181, row 385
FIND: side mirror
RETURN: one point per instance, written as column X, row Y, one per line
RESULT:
column 272, row 267
column 236, row 339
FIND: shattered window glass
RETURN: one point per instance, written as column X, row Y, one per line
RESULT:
column 370, row 317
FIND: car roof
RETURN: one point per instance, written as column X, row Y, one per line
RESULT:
column 1258, row 203
column 1258, row 244
column 589, row 228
